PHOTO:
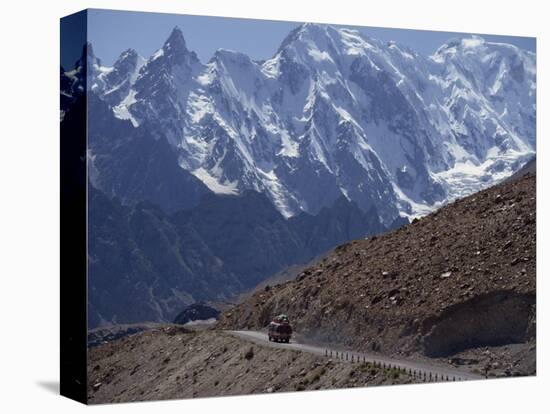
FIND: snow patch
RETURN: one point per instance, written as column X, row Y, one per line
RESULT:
column 208, row 76
column 472, row 42
column 270, row 68
column 103, row 69
column 198, row 106
column 213, row 183
column 319, row 56
column 417, row 209
column 289, row 148
column 276, row 191
column 122, row 110
column 159, row 53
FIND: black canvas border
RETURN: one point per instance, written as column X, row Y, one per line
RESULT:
column 73, row 223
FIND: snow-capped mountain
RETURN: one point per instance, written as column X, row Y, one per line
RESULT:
column 334, row 113
column 122, row 77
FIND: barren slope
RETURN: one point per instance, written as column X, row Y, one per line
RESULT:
column 462, row 278
column 174, row 363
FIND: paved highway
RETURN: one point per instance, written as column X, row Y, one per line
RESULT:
column 421, row 367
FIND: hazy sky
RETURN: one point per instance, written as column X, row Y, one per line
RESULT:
column 111, row 32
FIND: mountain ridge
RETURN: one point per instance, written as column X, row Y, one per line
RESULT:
column 373, row 121
column 148, row 265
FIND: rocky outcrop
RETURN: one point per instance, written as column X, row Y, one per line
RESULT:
column 196, row 312
column 493, row 319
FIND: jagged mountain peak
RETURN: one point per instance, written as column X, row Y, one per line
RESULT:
column 128, row 60
column 329, row 46
column 175, row 40
column 89, row 50
column 128, row 54
column 309, row 33
column 87, row 56
column 174, row 51
column 120, row 79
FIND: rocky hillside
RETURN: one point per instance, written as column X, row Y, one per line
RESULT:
column 172, row 362
column 458, row 279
